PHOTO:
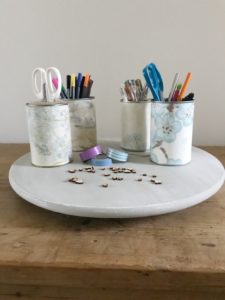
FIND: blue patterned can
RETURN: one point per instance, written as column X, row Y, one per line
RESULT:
column 171, row 132
column 49, row 133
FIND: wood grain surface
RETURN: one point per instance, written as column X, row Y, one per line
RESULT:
column 45, row 255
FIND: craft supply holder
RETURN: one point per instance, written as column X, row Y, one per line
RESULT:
column 171, row 132
column 135, row 125
column 83, row 123
column 49, row 133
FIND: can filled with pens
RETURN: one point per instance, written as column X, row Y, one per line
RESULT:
column 49, row 133
column 171, row 132
column 135, row 125
column 83, row 123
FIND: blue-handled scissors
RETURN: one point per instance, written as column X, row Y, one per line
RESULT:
column 154, row 81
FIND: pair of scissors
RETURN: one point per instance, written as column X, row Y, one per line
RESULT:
column 154, row 81
column 45, row 91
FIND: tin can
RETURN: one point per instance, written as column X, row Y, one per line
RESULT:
column 83, row 123
column 135, row 125
column 49, row 133
column 171, row 132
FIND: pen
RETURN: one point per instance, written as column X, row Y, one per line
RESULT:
column 176, row 93
column 184, row 87
column 85, row 86
column 134, row 90
column 189, row 97
column 89, row 87
column 64, row 93
column 68, row 81
column 139, row 88
column 79, row 79
column 174, row 84
column 128, row 91
column 72, row 86
column 76, row 87
column 81, row 86
column 144, row 92
column 138, row 84
column 123, row 94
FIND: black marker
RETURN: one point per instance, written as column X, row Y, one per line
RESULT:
column 89, row 87
column 81, row 86
column 189, row 97
column 85, row 86
column 68, row 79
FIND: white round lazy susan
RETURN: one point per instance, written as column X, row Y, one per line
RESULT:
column 137, row 194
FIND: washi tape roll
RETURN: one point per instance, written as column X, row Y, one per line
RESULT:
column 91, row 153
column 117, row 155
column 101, row 162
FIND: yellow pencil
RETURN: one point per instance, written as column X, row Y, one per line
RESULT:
column 184, row 87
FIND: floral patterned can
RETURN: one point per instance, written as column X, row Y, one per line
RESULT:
column 49, row 133
column 83, row 123
column 171, row 132
column 135, row 125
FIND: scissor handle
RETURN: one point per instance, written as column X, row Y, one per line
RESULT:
column 150, row 80
column 154, row 80
column 38, row 91
column 53, row 94
column 46, row 78
column 160, row 81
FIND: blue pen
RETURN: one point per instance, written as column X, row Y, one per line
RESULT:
column 79, row 79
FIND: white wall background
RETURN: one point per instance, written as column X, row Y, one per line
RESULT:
column 113, row 40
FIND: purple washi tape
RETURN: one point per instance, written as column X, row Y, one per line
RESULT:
column 91, row 153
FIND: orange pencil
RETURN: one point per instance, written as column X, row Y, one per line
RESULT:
column 184, row 87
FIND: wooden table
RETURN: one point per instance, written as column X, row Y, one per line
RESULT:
column 45, row 255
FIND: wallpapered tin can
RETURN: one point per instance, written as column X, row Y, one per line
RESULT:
column 83, row 123
column 171, row 132
column 135, row 125
column 49, row 133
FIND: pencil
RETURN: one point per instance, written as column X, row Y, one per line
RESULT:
column 184, row 87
